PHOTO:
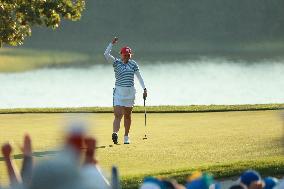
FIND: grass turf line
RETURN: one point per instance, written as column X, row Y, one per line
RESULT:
column 151, row 109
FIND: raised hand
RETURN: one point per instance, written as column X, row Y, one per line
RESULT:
column 13, row 173
column 27, row 148
column 115, row 40
column 27, row 167
column 6, row 150
column 90, row 152
column 145, row 94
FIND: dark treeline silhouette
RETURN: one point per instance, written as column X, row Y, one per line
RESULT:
column 172, row 27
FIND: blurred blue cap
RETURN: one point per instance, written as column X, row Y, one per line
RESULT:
column 249, row 176
column 270, row 182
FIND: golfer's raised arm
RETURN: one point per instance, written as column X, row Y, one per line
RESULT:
column 140, row 79
column 107, row 54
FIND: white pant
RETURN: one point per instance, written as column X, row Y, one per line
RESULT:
column 124, row 96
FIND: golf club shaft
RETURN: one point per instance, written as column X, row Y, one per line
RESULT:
column 145, row 112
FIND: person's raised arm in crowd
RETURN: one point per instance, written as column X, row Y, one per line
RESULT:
column 91, row 171
column 13, row 173
column 90, row 151
column 27, row 167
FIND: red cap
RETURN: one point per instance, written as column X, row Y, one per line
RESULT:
column 125, row 50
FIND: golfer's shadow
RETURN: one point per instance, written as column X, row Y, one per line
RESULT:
column 50, row 153
column 35, row 154
column 111, row 145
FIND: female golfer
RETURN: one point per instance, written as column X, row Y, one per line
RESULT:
column 124, row 92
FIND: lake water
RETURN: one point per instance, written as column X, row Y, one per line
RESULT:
column 174, row 83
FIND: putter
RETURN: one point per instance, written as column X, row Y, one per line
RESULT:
column 145, row 115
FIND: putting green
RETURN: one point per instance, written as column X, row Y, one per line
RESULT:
column 176, row 141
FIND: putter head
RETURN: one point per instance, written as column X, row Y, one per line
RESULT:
column 145, row 137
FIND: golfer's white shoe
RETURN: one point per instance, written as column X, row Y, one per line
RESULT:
column 126, row 140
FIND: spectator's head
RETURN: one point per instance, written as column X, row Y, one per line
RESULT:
column 249, row 177
column 195, row 175
column 202, row 182
column 75, row 136
column 270, row 182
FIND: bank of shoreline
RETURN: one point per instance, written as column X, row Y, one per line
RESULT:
column 151, row 109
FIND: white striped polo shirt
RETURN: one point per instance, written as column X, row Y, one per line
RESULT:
column 124, row 73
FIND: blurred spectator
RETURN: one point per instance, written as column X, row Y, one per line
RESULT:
column 204, row 181
column 270, row 182
column 151, row 183
column 64, row 170
column 250, row 176
column 256, row 185
column 75, row 137
column 60, row 172
column 280, row 185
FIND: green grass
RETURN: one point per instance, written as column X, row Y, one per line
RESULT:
column 19, row 60
column 266, row 166
column 223, row 143
column 151, row 109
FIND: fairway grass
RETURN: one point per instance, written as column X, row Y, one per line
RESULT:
column 223, row 143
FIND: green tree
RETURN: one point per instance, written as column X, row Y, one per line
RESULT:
column 18, row 16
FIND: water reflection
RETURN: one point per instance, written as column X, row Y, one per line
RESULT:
column 183, row 83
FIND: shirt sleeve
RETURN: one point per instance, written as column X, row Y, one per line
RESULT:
column 139, row 77
column 107, row 54
column 136, row 67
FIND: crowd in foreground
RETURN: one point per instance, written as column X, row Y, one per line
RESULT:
column 75, row 167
